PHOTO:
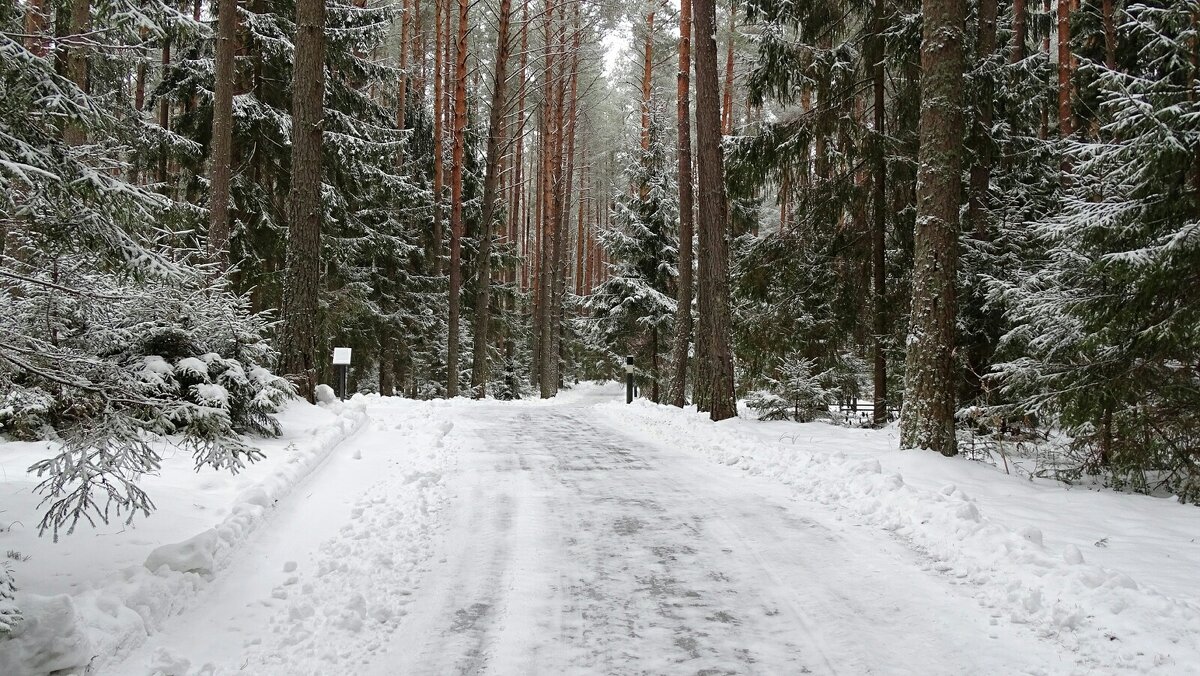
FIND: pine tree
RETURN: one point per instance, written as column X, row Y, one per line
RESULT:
column 491, row 190
column 681, row 341
column 713, row 354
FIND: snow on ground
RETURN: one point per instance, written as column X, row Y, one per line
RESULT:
column 1108, row 575
column 324, row 587
column 582, row 536
column 96, row 593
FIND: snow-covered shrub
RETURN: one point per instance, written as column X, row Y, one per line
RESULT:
column 799, row 393
column 129, row 366
column 25, row 413
column 804, row 389
column 10, row 615
column 101, row 297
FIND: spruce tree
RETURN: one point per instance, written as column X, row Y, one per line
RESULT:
column 927, row 417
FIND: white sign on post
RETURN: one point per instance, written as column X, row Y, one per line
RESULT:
column 341, row 356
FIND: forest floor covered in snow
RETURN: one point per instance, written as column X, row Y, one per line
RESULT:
column 582, row 535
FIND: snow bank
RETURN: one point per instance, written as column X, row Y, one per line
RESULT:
column 1111, row 620
column 105, row 618
column 327, row 587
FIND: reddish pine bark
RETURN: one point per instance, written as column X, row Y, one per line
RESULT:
column 683, row 309
column 715, row 367
column 456, row 197
column 1064, row 68
column 491, row 180
column 727, row 101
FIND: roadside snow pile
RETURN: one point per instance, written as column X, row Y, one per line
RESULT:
column 327, row 584
column 331, row 613
column 1106, row 616
column 103, row 617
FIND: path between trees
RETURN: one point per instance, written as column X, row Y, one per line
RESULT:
column 527, row 538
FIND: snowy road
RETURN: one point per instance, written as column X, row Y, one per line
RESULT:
column 552, row 543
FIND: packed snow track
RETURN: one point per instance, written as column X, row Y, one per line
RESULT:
column 540, row 539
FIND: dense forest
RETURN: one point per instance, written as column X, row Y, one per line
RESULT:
column 982, row 217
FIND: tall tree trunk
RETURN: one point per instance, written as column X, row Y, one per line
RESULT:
column 439, row 31
column 564, row 168
column 647, row 80
column 1019, row 32
column 164, row 114
column 879, row 218
column 387, row 361
column 580, row 232
column 1064, row 68
column 727, row 100
column 491, row 181
column 713, row 342
column 418, row 46
column 981, row 170
column 37, row 23
column 456, row 196
column 556, row 79
column 927, row 419
column 1110, row 34
column 541, row 294
column 77, row 61
column 683, row 308
column 222, row 134
column 298, row 346
column 402, row 89
column 519, row 213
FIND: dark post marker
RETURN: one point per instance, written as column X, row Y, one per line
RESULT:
column 629, row 379
column 341, row 361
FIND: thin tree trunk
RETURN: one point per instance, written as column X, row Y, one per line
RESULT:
column 456, row 196
column 727, row 100
column 438, row 141
column 683, row 308
column 387, row 361
column 1019, row 32
column 647, row 80
column 1110, row 34
column 547, row 374
column 981, row 170
column 1064, row 68
column 418, row 47
column 491, row 181
column 298, row 345
column 164, row 115
column 77, row 61
column 37, row 23
column 541, row 294
column 879, row 218
column 927, row 419
column 402, row 90
column 562, row 198
column 519, row 215
column 579, row 230
column 222, row 134
column 714, row 355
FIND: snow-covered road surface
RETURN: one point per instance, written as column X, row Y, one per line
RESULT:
column 573, row 549
column 491, row 538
